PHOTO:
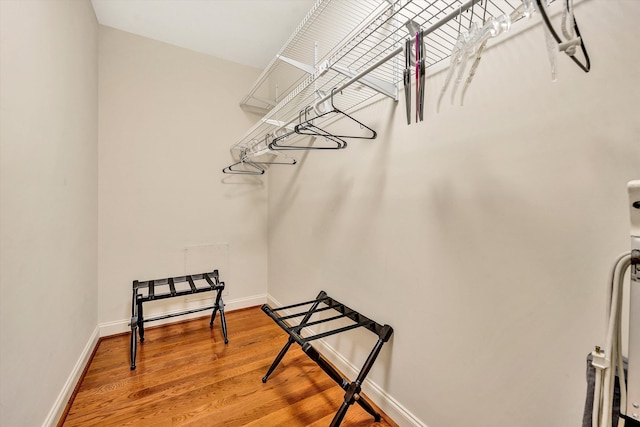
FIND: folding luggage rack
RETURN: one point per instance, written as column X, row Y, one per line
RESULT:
column 353, row 388
column 168, row 286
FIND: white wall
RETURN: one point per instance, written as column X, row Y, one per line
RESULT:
column 167, row 119
column 49, row 204
column 483, row 235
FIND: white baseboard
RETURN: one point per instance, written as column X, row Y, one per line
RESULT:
column 394, row 409
column 121, row 326
column 63, row 397
column 380, row 397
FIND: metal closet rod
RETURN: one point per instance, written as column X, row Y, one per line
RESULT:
column 462, row 8
column 459, row 10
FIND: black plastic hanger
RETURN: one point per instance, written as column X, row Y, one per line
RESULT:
column 308, row 128
column 254, row 169
column 291, row 161
column 337, row 143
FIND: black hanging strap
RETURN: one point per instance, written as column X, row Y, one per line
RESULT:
column 586, row 66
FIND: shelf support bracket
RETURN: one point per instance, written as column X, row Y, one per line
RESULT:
column 279, row 123
column 254, row 109
column 379, row 85
column 265, row 100
column 301, row 65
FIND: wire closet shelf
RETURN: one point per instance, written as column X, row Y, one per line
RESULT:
column 367, row 59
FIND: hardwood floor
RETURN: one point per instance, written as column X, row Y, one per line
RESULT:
column 187, row 376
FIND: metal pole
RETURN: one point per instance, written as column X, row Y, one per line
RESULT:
column 399, row 50
column 363, row 73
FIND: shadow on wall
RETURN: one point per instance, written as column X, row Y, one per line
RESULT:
column 340, row 175
column 242, row 180
column 376, row 171
column 239, row 186
column 291, row 190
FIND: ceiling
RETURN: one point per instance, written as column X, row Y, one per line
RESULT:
column 249, row 32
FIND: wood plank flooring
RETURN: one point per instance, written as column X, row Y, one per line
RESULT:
column 187, row 376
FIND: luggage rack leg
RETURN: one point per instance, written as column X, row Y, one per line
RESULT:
column 352, row 389
column 284, row 350
column 134, row 346
column 137, row 325
column 140, row 320
column 219, row 306
column 278, row 359
column 134, row 327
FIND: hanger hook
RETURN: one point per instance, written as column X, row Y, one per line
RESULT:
column 333, row 90
column 459, row 18
column 484, row 14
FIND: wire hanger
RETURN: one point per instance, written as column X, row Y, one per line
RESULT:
column 567, row 46
column 306, row 127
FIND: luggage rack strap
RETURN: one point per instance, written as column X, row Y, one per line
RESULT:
column 177, row 279
column 154, row 285
column 321, row 297
column 298, row 328
column 302, row 313
column 381, row 330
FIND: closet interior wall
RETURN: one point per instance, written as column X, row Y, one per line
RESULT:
column 163, row 112
column 48, row 205
column 483, row 235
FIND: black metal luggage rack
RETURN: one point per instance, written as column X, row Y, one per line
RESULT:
column 353, row 388
column 170, row 288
